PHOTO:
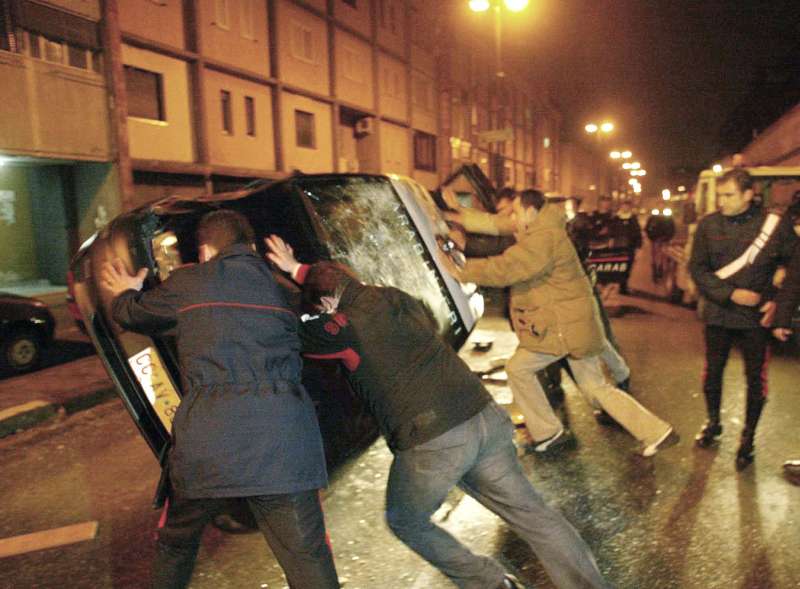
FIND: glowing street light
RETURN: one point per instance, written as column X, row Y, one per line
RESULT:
column 516, row 5
column 591, row 128
column 665, row 194
column 626, row 166
column 607, row 127
column 635, row 166
column 626, row 154
column 615, row 155
column 717, row 168
column 479, row 5
column 496, row 5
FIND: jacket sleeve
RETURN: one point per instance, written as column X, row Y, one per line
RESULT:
column 789, row 296
column 476, row 221
column 636, row 234
column 329, row 337
column 530, row 257
column 709, row 285
column 147, row 311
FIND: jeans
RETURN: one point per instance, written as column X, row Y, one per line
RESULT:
column 479, row 456
column 292, row 524
column 543, row 423
column 754, row 344
column 615, row 362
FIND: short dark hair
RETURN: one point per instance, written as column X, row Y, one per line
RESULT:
column 531, row 198
column 325, row 279
column 506, row 193
column 743, row 180
column 223, row 228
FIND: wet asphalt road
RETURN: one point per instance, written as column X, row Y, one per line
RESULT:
column 683, row 519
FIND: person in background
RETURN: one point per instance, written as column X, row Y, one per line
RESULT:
column 735, row 255
column 245, row 427
column 554, row 316
column 786, row 305
column 601, row 222
column 441, row 424
column 627, row 234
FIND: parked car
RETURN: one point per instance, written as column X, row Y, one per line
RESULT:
column 384, row 227
column 26, row 330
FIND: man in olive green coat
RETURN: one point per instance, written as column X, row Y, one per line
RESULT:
column 554, row 316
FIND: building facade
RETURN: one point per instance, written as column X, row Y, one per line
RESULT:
column 109, row 105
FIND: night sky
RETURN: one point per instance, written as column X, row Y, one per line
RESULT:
column 668, row 73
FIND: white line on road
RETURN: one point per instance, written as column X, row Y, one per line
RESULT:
column 47, row 539
column 24, row 408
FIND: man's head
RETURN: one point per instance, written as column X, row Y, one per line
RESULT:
column 625, row 206
column 220, row 229
column 324, row 285
column 505, row 200
column 526, row 207
column 604, row 204
column 734, row 192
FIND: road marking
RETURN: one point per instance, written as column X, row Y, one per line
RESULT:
column 24, row 408
column 47, row 539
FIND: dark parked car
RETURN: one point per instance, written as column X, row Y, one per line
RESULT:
column 384, row 228
column 26, row 329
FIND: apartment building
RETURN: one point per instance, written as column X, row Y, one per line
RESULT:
column 108, row 105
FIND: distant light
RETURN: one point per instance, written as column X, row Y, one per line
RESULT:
column 626, row 154
column 633, row 181
column 642, row 172
column 607, row 127
column 716, row 168
column 635, row 166
column 516, row 5
column 546, row 142
column 626, row 166
column 2, row 161
column 479, row 5
column 655, row 212
column 592, row 187
column 591, row 128
column 637, row 189
column 681, row 188
column 667, row 212
column 615, row 155
column 665, row 194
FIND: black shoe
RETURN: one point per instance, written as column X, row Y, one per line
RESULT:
column 625, row 385
column 744, row 456
column 509, row 582
column 710, row 432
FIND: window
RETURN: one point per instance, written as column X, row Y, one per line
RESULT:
column 250, row 115
column 423, row 93
column 247, row 19
column 227, row 114
column 35, row 45
column 77, row 57
column 145, row 94
column 304, row 129
column 424, row 151
column 222, row 14
column 351, row 65
column 351, row 3
column 302, row 42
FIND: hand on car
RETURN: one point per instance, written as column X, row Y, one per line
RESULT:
column 746, row 298
column 281, row 254
column 782, row 333
column 448, row 264
column 116, row 278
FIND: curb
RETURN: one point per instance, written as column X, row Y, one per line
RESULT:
column 33, row 413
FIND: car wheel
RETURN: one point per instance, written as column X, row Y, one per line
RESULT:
column 21, row 351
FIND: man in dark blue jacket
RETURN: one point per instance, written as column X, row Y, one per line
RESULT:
column 245, row 427
column 735, row 255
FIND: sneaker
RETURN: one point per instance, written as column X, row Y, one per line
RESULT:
column 710, row 432
column 744, row 455
column 555, row 440
column 669, row 438
column 604, row 418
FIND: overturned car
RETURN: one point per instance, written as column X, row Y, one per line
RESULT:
column 385, row 228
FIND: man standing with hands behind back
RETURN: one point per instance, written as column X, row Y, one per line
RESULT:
column 246, row 426
column 735, row 254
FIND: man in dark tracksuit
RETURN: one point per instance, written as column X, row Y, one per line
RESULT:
column 734, row 258
column 441, row 424
column 245, row 427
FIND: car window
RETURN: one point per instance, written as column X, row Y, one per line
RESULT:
column 368, row 228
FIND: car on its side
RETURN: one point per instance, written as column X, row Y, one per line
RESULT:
column 26, row 330
column 385, row 228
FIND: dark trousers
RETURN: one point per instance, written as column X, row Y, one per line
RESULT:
column 753, row 344
column 292, row 524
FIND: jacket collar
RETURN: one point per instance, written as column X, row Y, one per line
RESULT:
column 549, row 217
column 744, row 217
column 237, row 249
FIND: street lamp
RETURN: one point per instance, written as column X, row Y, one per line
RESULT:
column 483, row 6
column 666, row 194
column 615, row 155
column 599, row 130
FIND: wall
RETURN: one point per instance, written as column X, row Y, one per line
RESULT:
column 18, row 261
column 238, row 148
column 159, row 21
column 395, row 149
column 228, row 39
column 354, row 83
column 779, row 144
column 319, row 159
column 170, row 139
column 300, row 65
column 49, row 223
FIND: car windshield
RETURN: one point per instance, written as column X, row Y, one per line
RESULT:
column 369, row 230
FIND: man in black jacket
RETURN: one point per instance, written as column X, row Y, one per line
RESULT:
column 735, row 255
column 245, row 428
column 441, row 424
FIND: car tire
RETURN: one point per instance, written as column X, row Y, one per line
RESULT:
column 21, row 351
